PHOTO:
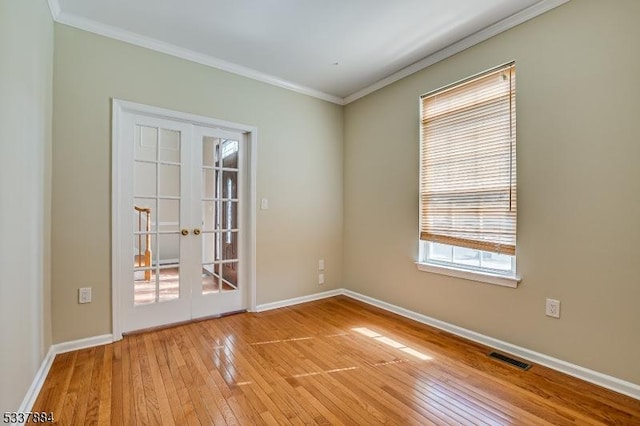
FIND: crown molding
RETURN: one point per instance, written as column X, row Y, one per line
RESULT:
column 478, row 37
column 54, row 7
column 200, row 58
column 180, row 52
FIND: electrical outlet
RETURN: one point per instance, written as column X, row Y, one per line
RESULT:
column 553, row 308
column 321, row 265
column 84, row 295
column 320, row 278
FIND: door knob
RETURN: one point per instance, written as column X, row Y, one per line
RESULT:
column 196, row 231
column 185, row 232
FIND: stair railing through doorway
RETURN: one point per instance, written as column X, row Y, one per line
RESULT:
column 143, row 258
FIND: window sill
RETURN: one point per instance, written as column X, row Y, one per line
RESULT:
column 484, row 277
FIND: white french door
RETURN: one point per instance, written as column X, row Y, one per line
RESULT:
column 218, row 189
column 179, row 244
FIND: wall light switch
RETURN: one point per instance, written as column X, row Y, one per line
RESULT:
column 321, row 265
column 264, row 204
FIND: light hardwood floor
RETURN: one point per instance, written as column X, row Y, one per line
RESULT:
column 334, row 361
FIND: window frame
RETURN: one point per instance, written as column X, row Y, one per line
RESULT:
column 484, row 275
column 507, row 278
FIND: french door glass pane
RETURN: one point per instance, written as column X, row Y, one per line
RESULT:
column 208, row 149
column 209, row 247
column 145, row 179
column 157, row 215
column 209, row 183
column 169, row 146
column 230, row 215
column 230, row 276
column 229, row 185
column 144, row 267
column 168, row 249
column 208, row 215
column 143, row 217
column 230, row 246
column 169, row 180
column 168, row 215
column 169, row 283
column 143, row 251
column 216, row 154
column 146, row 146
column 229, row 154
column 210, row 278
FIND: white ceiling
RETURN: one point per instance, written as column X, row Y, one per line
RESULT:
column 333, row 49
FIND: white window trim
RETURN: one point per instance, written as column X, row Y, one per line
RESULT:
column 484, row 275
column 511, row 281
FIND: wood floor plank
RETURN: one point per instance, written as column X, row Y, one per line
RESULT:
column 330, row 362
column 83, row 386
column 65, row 416
column 128, row 406
column 267, row 384
column 117, row 383
column 104, row 408
column 217, row 370
column 163, row 405
column 172, row 402
column 172, row 373
column 139, row 403
column 95, row 386
column 197, row 382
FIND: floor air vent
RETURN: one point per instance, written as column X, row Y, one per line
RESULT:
column 504, row 358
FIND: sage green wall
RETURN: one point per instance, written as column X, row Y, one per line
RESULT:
column 578, row 101
column 26, row 55
column 300, row 142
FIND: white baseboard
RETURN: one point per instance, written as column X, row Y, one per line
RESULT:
column 298, row 300
column 606, row 381
column 38, row 381
column 89, row 342
column 45, row 366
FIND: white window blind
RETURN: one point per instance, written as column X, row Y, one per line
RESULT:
column 468, row 163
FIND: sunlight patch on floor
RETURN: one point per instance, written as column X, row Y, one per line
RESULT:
column 390, row 342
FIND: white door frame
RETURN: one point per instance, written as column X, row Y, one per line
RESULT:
column 121, row 107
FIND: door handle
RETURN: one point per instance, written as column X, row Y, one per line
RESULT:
column 185, row 232
column 196, row 231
